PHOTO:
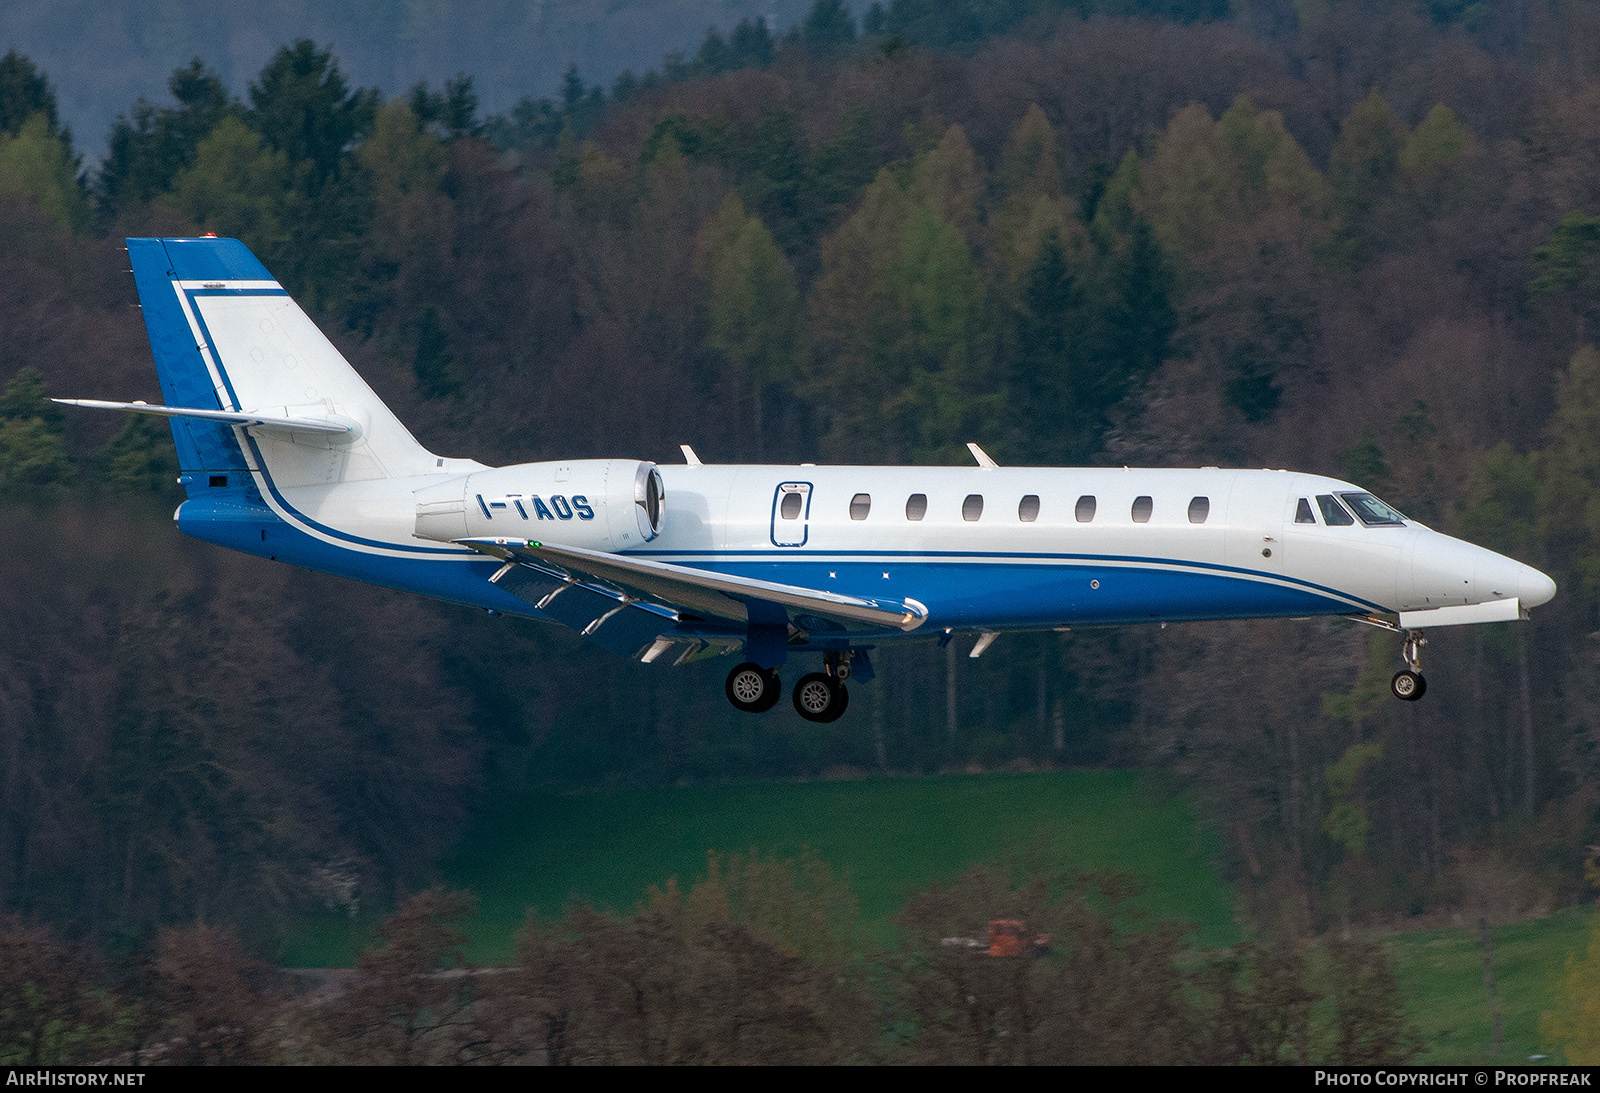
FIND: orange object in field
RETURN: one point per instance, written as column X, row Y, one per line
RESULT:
column 1005, row 937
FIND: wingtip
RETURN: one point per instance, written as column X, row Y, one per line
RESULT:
column 983, row 457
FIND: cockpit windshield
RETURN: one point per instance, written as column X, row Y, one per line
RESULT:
column 1333, row 513
column 1373, row 513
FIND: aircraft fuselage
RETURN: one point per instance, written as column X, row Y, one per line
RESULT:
column 994, row 549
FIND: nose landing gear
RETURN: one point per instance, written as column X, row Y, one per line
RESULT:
column 1408, row 684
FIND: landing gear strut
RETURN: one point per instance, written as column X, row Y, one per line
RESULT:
column 1408, row 684
column 752, row 688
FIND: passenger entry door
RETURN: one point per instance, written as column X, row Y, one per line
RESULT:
column 791, row 514
column 1256, row 521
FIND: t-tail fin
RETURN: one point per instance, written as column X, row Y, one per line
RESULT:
column 274, row 392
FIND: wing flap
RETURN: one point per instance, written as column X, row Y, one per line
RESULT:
column 721, row 595
column 605, row 615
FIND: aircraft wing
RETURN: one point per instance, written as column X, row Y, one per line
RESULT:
column 685, row 592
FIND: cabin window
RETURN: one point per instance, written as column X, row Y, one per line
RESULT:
column 860, row 505
column 1333, row 513
column 972, row 507
column 1373, row 513
column 1085, row 509
column 789, row 507
column 1303, row 514
column 1028, row 509
column 1199, row 509
column 1141, row 509
column 916, row 506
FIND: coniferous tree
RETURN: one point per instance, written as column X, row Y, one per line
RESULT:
column 302, row 107
column 827, row 28
column 152, row 146
column 33, row 452
column 24, row 92
column 1052, row 417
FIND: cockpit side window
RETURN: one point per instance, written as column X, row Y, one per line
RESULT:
column 1333, row 513
column 1372, row 512
column 1303, row 514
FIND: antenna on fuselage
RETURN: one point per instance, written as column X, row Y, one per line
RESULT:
column 689, row 457
column 981, row 456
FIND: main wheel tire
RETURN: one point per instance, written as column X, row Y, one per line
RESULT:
column 818, row 697
column 752, row 688
column 1408, row 686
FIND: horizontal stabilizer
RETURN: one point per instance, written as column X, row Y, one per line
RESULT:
column 330, row 424
column 722, row 595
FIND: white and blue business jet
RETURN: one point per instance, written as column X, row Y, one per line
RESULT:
column 287, row 453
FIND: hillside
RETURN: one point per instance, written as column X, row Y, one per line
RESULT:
column 1362, row 240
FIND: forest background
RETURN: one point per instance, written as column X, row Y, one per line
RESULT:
column 1357, row 238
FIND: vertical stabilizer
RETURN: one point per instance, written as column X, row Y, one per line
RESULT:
column 226, row 336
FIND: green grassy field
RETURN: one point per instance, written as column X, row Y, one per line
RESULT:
column 888, row 836
column 1441, row 973
column 893, row 836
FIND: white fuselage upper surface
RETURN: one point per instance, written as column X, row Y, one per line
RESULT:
column 1241, row 522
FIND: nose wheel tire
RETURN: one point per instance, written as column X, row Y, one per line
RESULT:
column 819, row 697
column 752, row 688
column 1408, row 686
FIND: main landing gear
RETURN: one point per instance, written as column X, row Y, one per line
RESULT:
column 819, row 696
column 1408, row 684
column 752, row 688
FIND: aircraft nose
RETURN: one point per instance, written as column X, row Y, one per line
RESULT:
column 1507, row 577
column 1534, row 587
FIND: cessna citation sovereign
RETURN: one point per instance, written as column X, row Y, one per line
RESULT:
column 287, row 453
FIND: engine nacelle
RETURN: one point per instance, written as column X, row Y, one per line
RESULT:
column 600, row 504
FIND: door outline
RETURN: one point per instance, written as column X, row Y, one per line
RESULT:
column 1252, row 527
column 789, row 531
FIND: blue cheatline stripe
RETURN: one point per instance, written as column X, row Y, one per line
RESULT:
column 336, row 533
column 960, row 594
column 253, row 528
column 1003, row 558
column 1032, row 595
